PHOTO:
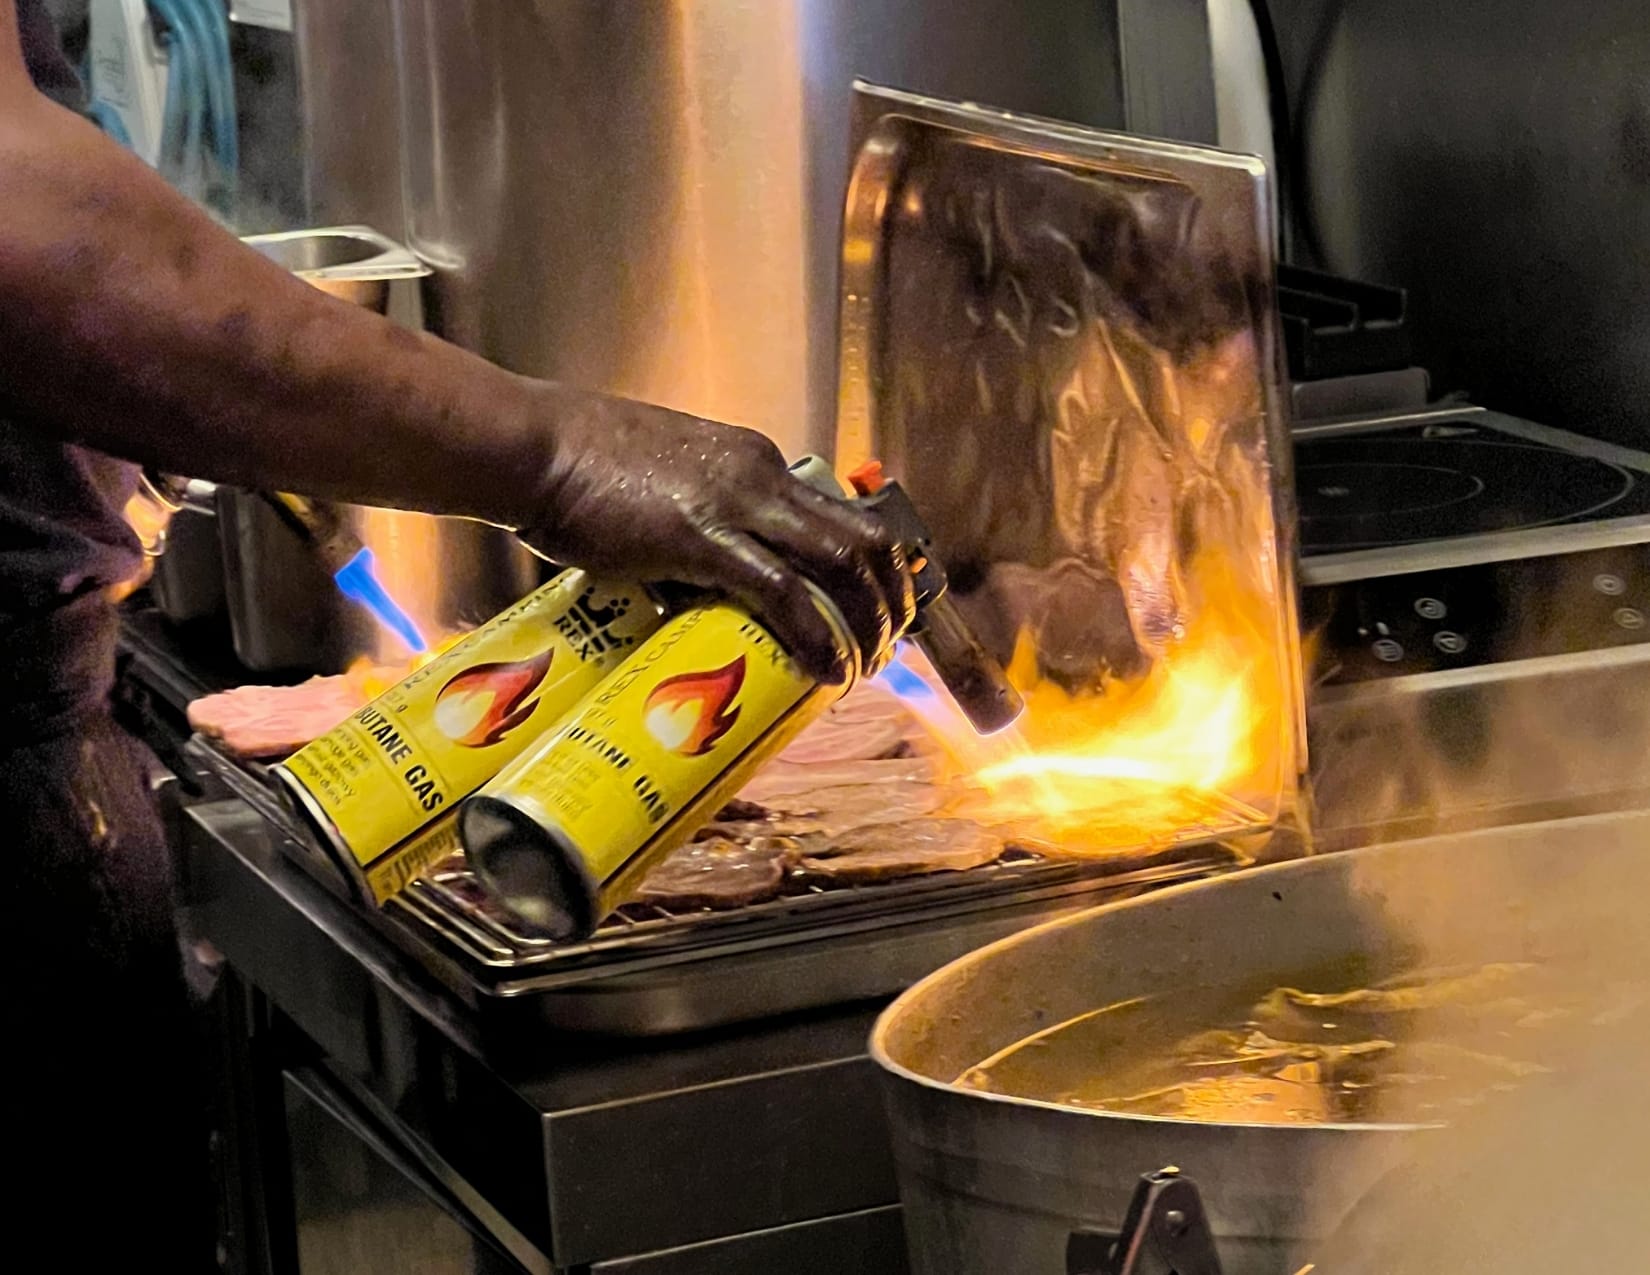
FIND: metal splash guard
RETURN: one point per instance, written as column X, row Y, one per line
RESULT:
column 1064, row 343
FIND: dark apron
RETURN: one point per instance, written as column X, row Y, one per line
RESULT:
column 105, row 1142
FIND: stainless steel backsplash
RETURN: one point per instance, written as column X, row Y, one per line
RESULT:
column 645, row 199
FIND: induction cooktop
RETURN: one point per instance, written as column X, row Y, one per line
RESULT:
column 1472, row 475
column 1459, row 538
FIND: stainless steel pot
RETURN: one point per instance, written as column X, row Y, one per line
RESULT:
column 446, row 573
column 997, row 1184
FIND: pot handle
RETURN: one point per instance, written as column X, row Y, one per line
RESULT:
column 1165, row 1232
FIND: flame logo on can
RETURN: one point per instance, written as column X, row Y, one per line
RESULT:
column 690, row 712
column 480, row 706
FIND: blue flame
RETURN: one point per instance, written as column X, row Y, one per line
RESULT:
column 358, row 580
column 903, row 680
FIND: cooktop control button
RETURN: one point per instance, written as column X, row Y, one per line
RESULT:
column 1449, row 643
column 1430, row 609
column 1611, row 586
column 1629, row 618
column 1388, row 651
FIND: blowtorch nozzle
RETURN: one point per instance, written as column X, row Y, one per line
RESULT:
column 971, row 674
column 348, row 561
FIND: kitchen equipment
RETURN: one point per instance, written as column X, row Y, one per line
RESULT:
column 351, row 564
column 570, row 830
column 1094, row 437
column 1060, row 369
column 353, row 263
column 188, row 584
column 1164, row 1233
column 426, row 743
column 691, row 261
column 1479, row 587
column 649, row 971
column 994, row 1183
column 448, row 574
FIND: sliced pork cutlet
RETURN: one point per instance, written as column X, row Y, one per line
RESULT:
column 263, row 722
column 719, row 873
column 781, row 778
column 867, row 702
column 864, row 740
column 880, row 852
column 831, row 810
column 868, row 723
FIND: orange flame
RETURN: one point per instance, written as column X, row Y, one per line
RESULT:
column 480, row 706
column 690, row 712
column 1193, row 746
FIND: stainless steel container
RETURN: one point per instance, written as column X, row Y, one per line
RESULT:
column 644, row 199
column 446, row 573
column 997, row 1184
column 188, row 585
column 353, row 263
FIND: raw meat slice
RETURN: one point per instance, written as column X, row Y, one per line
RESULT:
column 829, row 811
column 868, row 723
column 868, row 702
column 910, row 848
column 274, row 721
column 719, row 873
column 780, row 778
column 867, row 739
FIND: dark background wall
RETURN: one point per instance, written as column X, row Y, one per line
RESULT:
column 1493, row 157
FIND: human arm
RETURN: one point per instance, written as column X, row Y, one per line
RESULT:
column 131, row 323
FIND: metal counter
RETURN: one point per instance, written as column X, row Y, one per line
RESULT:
column 376, row 1116
column 382, row 1126
column 367, row 1124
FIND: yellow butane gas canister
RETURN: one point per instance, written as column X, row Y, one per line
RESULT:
column 566, row 832
column 397, row 868
column 417, row 750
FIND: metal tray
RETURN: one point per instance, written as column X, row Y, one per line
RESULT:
column 940, row 290
column 655, row 972
column 1064, row 343
column 658, row 973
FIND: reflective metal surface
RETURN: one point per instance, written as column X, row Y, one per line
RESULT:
column 995, row 1184
column 188, row 583
column 446, row 573
column 347, row 103
column 645, row 199
column 594, row 1151
column 353, row 263
column 1063, row 343
column 1495, row 161
column 286, row 614
column 1496, row 744
column 364, row 1204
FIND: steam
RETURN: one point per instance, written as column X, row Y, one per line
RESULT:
column 1553, row 1175
column 1500, row 743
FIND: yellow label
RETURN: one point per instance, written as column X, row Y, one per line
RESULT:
column 392, row 873
column 428, row 742
column 692, row 709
